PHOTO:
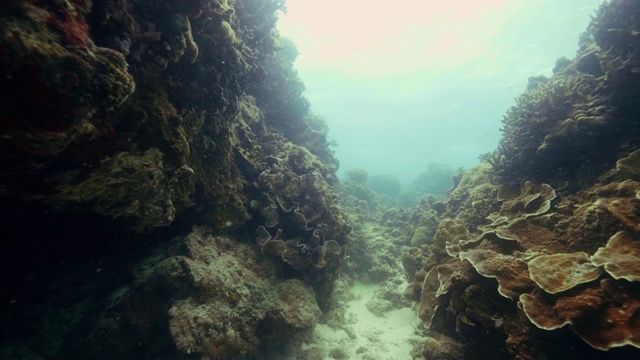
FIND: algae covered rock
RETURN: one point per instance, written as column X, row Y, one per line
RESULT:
column 55, row 79
column 200, row 294
column 151, row 117
column 421, row 236
column 131, row 186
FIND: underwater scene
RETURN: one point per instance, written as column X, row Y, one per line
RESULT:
column 255, row 179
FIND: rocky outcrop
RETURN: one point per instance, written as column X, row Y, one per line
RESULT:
column 125, row 123
column 199, row 294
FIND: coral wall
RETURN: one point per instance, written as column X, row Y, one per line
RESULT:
column 123, row 124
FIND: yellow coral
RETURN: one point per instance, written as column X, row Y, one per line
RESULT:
column 229, row 32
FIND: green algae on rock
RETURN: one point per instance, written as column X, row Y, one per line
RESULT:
column 420, row 236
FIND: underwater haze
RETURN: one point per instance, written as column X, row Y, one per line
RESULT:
column 409, row 83
column 414, row 180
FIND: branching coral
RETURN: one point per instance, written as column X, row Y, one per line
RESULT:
column 577, row 110
column 541, row 115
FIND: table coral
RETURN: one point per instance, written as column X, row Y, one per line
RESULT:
column 621, row 256
column 605, row 316
column 559, row 272
column 510, row 272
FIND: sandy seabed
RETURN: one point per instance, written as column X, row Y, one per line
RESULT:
column 388, row 337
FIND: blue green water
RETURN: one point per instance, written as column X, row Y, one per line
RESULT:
column 436, row 88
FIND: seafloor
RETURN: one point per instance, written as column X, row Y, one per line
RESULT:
column 167, row 194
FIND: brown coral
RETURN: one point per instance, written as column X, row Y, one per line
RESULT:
column 559, row 272
column 605, row 316
column 610, row 208
column 621, row 256
column 451, row 235
column 629, row 167
column 530, row 201
column 429, row 303
column 437, row 285
column 510, row 272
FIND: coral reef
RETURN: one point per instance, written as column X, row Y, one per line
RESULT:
column 549, row 242
column 521, row 255
column 536, row 254
column 127, row 122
